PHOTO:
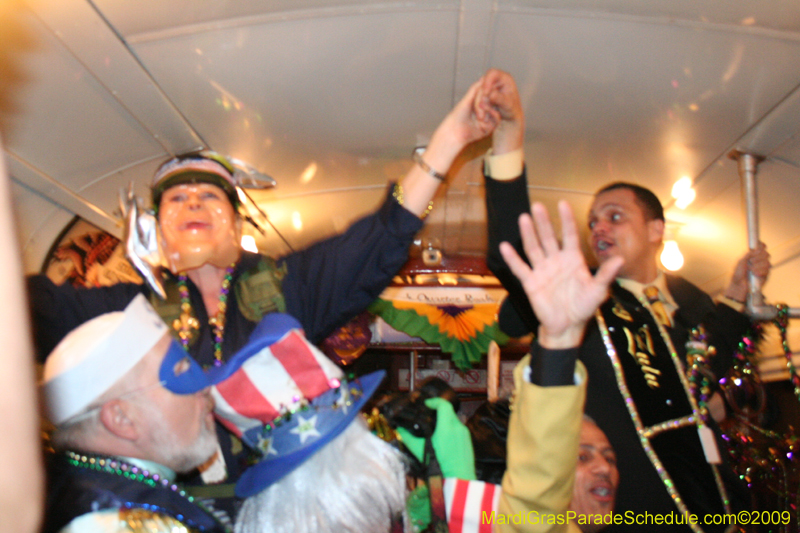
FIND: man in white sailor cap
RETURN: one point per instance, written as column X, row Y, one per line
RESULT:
column 130, row 409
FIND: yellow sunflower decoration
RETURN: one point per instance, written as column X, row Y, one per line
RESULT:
column 461, row 320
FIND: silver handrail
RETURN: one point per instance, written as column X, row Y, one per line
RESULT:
column 748, row 170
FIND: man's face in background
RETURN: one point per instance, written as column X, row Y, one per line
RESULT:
column 596, row 476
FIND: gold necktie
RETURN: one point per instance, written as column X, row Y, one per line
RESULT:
column 652, row 294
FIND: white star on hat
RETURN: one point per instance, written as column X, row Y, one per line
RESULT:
column 265, row 445
column 306, row 428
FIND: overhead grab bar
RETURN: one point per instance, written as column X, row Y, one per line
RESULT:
column 748, row 169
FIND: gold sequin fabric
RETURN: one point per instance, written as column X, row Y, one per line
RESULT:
column 146, row 521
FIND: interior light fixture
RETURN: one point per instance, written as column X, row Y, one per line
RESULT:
column 683, row 192
column 431, row 252
column 297, row 220
column 309, row 173
column 448, row 279
column 671, row 256
column 686, row 198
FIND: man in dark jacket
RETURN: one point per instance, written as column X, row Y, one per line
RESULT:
column 635, row 350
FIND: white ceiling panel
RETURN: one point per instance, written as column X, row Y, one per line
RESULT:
column 37, row 234
column 154, row 18
column 698, row 91
column 73, row 126
column 290, row 93
column 303, row 221
column 747, row 14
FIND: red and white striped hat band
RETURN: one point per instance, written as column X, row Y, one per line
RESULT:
column 285, row 399
column 274, row 380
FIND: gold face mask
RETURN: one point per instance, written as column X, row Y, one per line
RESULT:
column 198, row 226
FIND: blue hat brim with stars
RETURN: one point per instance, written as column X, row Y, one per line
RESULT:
column 295, row 439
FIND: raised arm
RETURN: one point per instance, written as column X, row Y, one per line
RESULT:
column 462, row 126
column 506, row 193
column 21, row 473
column 498, row 101
column 544, row 428
column 334, row 280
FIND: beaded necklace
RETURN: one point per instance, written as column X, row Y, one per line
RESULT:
column 699, row 373
column 187, row 320
column 781, row 322
column 118, row 467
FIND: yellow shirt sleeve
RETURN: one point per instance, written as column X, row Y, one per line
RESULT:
column 506, row 166
column 543, row 441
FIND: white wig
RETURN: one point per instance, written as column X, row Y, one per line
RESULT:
column 356, row 483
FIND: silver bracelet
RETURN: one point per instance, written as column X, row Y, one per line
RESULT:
column 426, row 167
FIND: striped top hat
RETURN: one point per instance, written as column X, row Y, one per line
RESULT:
column 284, row 399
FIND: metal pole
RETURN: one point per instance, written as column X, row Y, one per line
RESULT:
column 748, row 168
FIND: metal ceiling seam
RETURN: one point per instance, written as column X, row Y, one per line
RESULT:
column 29, row 176
column 287, row 16
column 113, row 64
column 777, row 159
column 474, row 31
column 172, row 151
column 784, row 253
column 337, row 190
column 120, row 170
column 476, row 23
column 783, row 118
column 740, row 141
column 751, row 30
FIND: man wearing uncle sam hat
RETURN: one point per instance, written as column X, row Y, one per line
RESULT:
column 130, row 409
column 320, row 467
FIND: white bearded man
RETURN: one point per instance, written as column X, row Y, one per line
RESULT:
column 130, row 410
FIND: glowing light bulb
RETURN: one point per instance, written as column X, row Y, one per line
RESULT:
column 249, row 243
column 297, row 220
column 686, row 198
column 671, row 256
column 681, row 185
column 683, row 192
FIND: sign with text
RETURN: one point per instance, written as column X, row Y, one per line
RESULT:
column 468, row 381
column 445, row 296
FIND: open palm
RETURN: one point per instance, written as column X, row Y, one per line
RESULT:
column 562, row 291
